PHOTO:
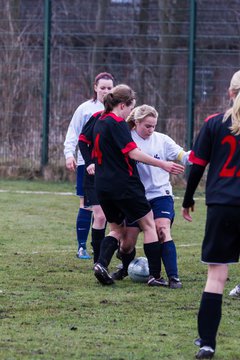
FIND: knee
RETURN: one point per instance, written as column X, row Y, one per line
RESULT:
column 126, row 248
column 99, row 220
column 218, row 274
column 161, row 234
column 116, row 234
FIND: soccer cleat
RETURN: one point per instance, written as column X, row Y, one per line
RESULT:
column 102, row 274
column 83, row 254
column 235, row 293
column 205, row 352
column 197, row 342
column 174, row 283
column 120, row 274
column 152, row 281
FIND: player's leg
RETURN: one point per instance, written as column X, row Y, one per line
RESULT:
column 127, row 250
column 84, row 216
column 168, row 252
column 163, row 211
column 138, row 210
column 220, row 247
column 152, row 249
column 210, row 309
column 108, row 246
column 98, row 230
column 110, row 242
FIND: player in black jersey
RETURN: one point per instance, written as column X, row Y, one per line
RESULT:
column 119, row 189
column 218, row 144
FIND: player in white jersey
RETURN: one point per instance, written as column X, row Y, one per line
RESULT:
column 143, row 121
column 102, row 85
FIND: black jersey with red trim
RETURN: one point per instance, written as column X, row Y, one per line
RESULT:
column 85, row 143
column 218, row 147
column 116, row 174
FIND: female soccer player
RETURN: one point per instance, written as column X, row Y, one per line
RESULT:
column 119, row 189
column 217, row 145
column 142, row 122
column 102, row 85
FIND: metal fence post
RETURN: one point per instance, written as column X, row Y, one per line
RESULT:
column 46, row 83
column 191, row 74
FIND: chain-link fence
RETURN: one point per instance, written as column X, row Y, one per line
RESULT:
column 144, row 43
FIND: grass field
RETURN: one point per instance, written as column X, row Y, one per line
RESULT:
column 51, row 306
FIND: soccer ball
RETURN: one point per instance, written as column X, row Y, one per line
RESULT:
column 138, row 270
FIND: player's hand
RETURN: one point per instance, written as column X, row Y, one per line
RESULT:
column 173, row 168
column 91, row 169
column 186, row 213
column 71, row 163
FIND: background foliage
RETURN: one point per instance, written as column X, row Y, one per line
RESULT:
column 144, row 43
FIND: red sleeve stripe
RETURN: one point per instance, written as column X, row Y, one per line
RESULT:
column 210, row 117
column 97, row 113
column 113, row 116
column 130, row 146
column 117, row 118
column 130, row 168
column 195, row 160
column 84, row 139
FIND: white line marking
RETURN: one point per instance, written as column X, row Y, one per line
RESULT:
column 66, row 193
column 72, row 251
column 37, row 192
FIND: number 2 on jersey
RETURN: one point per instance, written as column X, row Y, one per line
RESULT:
column 229, row 171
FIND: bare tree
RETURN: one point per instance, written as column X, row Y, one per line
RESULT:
column 19, row 88
column 100, row 39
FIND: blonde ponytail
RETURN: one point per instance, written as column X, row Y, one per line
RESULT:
column 131, row 119
column 235, row 128
column 234, row 111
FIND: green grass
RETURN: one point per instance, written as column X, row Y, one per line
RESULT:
column 51, row 306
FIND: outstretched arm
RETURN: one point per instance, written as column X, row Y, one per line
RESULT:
column 168, row 166
column 194, row 178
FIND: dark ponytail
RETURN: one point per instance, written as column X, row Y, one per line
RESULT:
column 119, row 94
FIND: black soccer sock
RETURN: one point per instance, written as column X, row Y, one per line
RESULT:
column 153, row 254
column 127, row 258
column 209, row 317
column 108, row 246
column 97, row 237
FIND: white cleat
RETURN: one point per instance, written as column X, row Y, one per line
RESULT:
column 235, row 293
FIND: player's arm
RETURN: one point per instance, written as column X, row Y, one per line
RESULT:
column 84, row 147
column 70, row 147
column 71, row 163
column 168, row 166
column 195, row 175
column 71, row 139
column 125, row 142
column 174, row 151
column 183, row 157
column 85, row 143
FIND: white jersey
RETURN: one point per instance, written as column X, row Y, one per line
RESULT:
column 79, row 119
column 156, row 180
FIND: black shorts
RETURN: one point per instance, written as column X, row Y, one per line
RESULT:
column 116, row 211
column 162, row 207
column 221, row 244
column 90, row 197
